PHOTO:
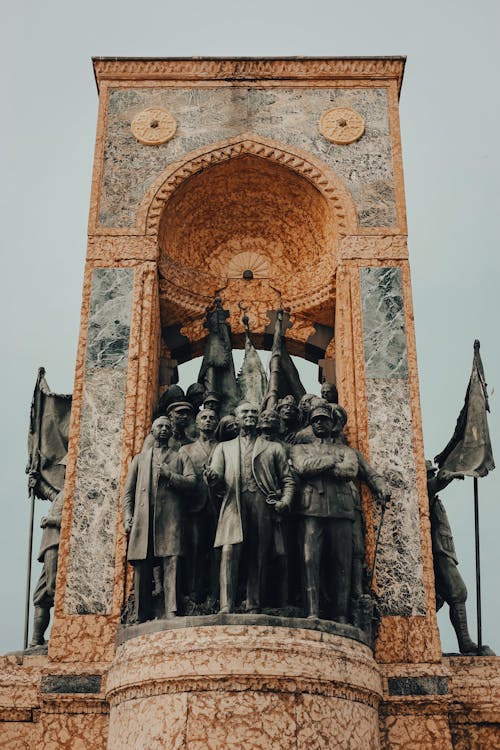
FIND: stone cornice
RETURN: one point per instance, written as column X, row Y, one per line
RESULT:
column 248, row 68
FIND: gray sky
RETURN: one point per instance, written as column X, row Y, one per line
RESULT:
column 449, row 120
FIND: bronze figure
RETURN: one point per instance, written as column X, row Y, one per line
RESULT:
column 327, row 509
column 255, row 478
column 450, row 586
column 201, row 518
column 154, row 517
column 43, row 597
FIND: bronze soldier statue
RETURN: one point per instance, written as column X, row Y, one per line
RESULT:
column 305, row 434
column 181, row 415
column 450, row 586
column 326, row 507
column 43, row 597
column 154, row 517
column 252, row 472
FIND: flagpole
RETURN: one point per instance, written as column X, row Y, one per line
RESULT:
column 28, row 573
column 478, row 569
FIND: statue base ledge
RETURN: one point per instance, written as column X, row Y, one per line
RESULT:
column 127, row 632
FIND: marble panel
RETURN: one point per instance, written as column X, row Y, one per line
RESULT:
column 205, row 116
column 89, row 584
column 384, row 335
column 399, row 561
column 109, row 317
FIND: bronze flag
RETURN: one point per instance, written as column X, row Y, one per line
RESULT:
column 469, row 450
column 284, row 378
column 48, row 437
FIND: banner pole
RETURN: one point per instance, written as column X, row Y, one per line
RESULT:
column 478, row 569
column 28, row 573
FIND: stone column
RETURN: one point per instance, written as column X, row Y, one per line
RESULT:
column 242, row 686
column 378, row 384
column 115, row 389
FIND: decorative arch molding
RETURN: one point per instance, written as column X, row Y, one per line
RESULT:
column 302, row 163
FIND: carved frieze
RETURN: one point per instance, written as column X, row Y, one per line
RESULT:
column 248, row 69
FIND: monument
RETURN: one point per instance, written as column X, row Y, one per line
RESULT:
column 233, row 573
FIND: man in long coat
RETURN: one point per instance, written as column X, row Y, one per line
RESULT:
column 257, row 483
column 154, row 516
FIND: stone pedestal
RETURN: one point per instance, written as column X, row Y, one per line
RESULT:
column 244, row 687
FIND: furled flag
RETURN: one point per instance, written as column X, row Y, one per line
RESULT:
column 47, row 438
column 284, row 378
column 252, row 378
column 469, row 450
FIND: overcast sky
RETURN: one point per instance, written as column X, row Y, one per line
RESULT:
column 450, row 125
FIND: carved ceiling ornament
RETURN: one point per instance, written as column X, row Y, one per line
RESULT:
column 153, row 126
column 341, row 125
column 249, row 262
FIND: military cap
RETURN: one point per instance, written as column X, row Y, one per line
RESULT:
column 338, row 412
column 179, row 406
column 321, row 410
column 212, row 396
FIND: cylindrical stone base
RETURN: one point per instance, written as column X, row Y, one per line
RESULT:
column 254, row 687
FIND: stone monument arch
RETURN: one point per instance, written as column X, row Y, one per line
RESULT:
column 269, row 183
column 249, row 204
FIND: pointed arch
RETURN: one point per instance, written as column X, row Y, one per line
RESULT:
column 303, row 163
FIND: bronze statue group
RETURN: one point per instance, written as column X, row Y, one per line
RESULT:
column 257, row 510
column 252, row 504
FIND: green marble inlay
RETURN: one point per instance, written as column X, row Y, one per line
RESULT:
column 109, row 318
column 384, row 334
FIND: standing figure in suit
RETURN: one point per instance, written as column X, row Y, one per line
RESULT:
column 154, row 516
column 256, row 480
column 201, row 511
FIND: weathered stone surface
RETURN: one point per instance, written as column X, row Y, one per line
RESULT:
column 90, row 577
column 109, row 318
column 255, row 721
column 399, row 567
column 65, row 683
column 163, row 725
column 205, row 116
column 383, row 323
column 418, row 685
column 325, row 723
column 243, row 687
column 410, row 732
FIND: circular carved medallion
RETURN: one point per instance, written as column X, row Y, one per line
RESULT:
column 153, row 126
column 341, row 125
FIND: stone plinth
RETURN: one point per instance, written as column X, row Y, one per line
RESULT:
column 246, row 686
